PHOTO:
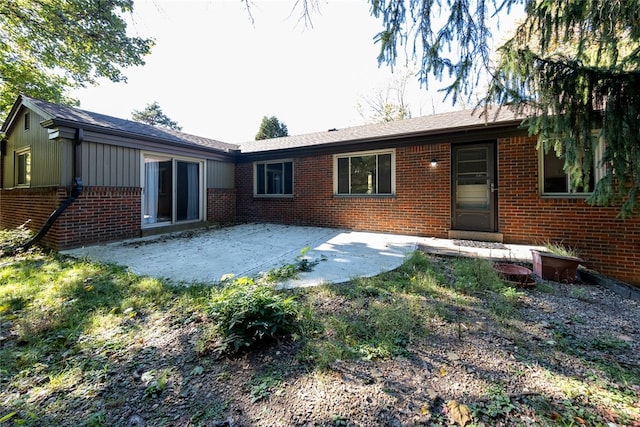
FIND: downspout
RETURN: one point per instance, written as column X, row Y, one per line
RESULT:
column 76, row 191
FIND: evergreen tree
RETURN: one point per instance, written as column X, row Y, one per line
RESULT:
column 271, row 127
column 573, row 67
column 153, row 115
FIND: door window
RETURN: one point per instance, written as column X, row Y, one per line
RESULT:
column 472, row 180
column 172, row 190
column 474, row 198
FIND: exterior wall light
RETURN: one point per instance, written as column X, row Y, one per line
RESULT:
column 434, row 162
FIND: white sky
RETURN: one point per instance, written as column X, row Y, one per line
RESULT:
column 217, row 74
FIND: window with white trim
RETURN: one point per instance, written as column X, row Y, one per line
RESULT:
column 23, row 167
column 556, row 181
column 273, row 178
column 365, row 173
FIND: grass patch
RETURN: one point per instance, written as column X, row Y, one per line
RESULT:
column 383, row 315
column 65, row 325
column 381, row 330
column 54, row 306
column 477, row 277
column 263, row 384
column 380, row 316
column 558, row 248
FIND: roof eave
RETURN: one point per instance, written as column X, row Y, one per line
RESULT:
column 445, row 131
column 407, row 136
column 12, row 114
column 21, row 101
column 120, row 133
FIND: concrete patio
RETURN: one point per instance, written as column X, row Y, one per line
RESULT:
column 206, row 256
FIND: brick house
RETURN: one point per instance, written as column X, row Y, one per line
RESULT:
column 452, row 175
column 134, row 178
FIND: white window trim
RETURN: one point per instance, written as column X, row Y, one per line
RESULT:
column 598, row 172
column 599, row 169
column 17, row 154
column 391, row 151
column 268, row 162
column 201, row 182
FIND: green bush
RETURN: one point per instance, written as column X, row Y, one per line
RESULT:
column 247, row 314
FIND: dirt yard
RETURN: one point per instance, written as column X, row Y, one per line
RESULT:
column 525, row 372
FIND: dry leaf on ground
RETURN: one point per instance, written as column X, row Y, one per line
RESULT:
column 459, row 413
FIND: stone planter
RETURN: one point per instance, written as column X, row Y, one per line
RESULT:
column 555, row 267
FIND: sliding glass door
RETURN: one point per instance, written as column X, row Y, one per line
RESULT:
column 172, row 190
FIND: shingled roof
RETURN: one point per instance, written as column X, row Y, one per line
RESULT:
column 60, row 115
column 438, row 124
column 419, row 126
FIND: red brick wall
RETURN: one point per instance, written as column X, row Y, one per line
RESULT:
column 28, row 205
column 607, row 244
column 221, row 205
column 99, row 214
column 422, row 205
column 416, row 209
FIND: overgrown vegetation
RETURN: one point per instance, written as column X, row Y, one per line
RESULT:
column 10, row 239
column 72, row 329
column 381, row 316
column 290, row 271
column 247, row 313
column 558, row 248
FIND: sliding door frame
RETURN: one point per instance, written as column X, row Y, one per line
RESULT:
column 202, row 197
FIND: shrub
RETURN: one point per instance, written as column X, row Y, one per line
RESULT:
column 247, row 314
column 10, row 239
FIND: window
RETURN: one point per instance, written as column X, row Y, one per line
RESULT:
column 370, row 173
column 23, row 167
column 273, row 178
column 27, row 121
column 557, row 181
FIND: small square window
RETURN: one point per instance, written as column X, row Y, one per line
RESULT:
column 23, row 168
column 273, row 178
column 555, row 180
